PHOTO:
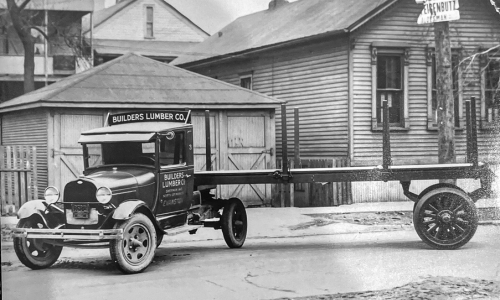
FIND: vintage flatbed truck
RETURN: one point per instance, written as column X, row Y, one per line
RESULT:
column 139, row 184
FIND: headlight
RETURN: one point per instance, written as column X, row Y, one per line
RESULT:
column 103, row 195
column 51, row 194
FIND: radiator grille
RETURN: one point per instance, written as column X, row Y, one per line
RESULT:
column 80, row 191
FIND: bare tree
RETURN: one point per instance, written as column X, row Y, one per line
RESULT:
column 21, row 24
column 61, row 31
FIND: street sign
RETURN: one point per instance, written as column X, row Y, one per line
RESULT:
column 438, row 11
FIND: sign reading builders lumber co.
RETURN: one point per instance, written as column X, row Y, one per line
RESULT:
column 438, row 11
column 150, row 116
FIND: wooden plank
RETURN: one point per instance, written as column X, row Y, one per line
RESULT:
column 3, row 178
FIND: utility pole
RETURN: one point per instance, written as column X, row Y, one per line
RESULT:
column 445, row 99
column 439, row 12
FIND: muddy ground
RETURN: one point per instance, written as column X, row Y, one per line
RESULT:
column 435, row 288
column 381, row 218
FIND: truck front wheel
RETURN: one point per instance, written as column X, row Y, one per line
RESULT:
column 136, row 250
column 35, row 253
column 234, row 223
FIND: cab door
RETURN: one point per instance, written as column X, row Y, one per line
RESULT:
column 175, row 177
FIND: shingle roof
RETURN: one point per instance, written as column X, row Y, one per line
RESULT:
column 134, row 81
column 292, row 21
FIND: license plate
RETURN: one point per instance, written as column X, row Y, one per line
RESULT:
column 80, row 211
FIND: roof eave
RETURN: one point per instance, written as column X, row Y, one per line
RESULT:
column 111, row 105
column 371, row 15
column 228, row 56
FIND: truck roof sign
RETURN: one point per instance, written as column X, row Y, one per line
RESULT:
column 176, row 116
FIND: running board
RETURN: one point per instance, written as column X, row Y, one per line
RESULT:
column 182, row 229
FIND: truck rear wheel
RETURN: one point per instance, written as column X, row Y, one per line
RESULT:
column 445, row 218
column 136, row 250
column 35, row 253
column 234, row 223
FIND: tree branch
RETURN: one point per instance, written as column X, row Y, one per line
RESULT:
column 41, row 31
column 23, row 5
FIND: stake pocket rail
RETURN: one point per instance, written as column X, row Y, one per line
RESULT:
column 472, row 169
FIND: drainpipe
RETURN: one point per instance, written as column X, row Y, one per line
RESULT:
column 350, row 104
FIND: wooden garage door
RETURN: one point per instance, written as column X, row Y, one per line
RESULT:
column 199, row 140
column 67, row 153
column 247, row 141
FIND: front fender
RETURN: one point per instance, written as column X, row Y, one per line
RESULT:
column 126, row 209
column 30, row 208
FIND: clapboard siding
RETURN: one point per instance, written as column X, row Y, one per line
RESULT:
column 29, row 129
column 129, row 24
column 479, row 25
column 312, row 77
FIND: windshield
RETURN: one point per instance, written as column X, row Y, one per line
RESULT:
column 172, row 152
column 121, row 153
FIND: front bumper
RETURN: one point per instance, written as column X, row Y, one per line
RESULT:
column 69, row 234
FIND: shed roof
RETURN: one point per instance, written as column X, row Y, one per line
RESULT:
column 133, row 81
column 288, row 22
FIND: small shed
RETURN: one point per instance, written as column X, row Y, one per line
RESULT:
column 51, row 118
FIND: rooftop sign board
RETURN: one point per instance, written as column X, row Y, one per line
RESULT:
column 149, row 116
column 438, row 11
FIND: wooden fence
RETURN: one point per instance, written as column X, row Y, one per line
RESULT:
column 314, row 194
column 17, row 177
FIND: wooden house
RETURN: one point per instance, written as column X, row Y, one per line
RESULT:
column 337, row 60
column 152, row 28
column 52, row 118
column 54, row 59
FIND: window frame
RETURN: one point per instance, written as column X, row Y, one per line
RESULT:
column 387, row 49
column 180, row 153
column 146, row 21
column 246, row 76
column 429, row 55
column 484, row 63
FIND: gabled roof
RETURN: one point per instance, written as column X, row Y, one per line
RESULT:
column 136, row 82
column 103, row 15
column 289, row 22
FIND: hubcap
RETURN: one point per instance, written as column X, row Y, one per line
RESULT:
column 446, row 218
column 136, row 243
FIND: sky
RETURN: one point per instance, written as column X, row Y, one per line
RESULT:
column 213, row 15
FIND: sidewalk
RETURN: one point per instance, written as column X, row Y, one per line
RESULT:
column 294, row 222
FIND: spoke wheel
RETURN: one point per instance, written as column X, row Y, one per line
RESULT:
column 35, row 253
column 136, row 250
column 234, row 223
column 445, row 218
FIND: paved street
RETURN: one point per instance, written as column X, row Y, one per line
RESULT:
column 264, row 269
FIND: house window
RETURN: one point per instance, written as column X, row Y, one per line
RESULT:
column 432, row 110
column 389, row 82
column 149, row 33
column 246, row 81
column 491, row 89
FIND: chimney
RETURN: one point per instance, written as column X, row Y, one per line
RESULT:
column 277, row 3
